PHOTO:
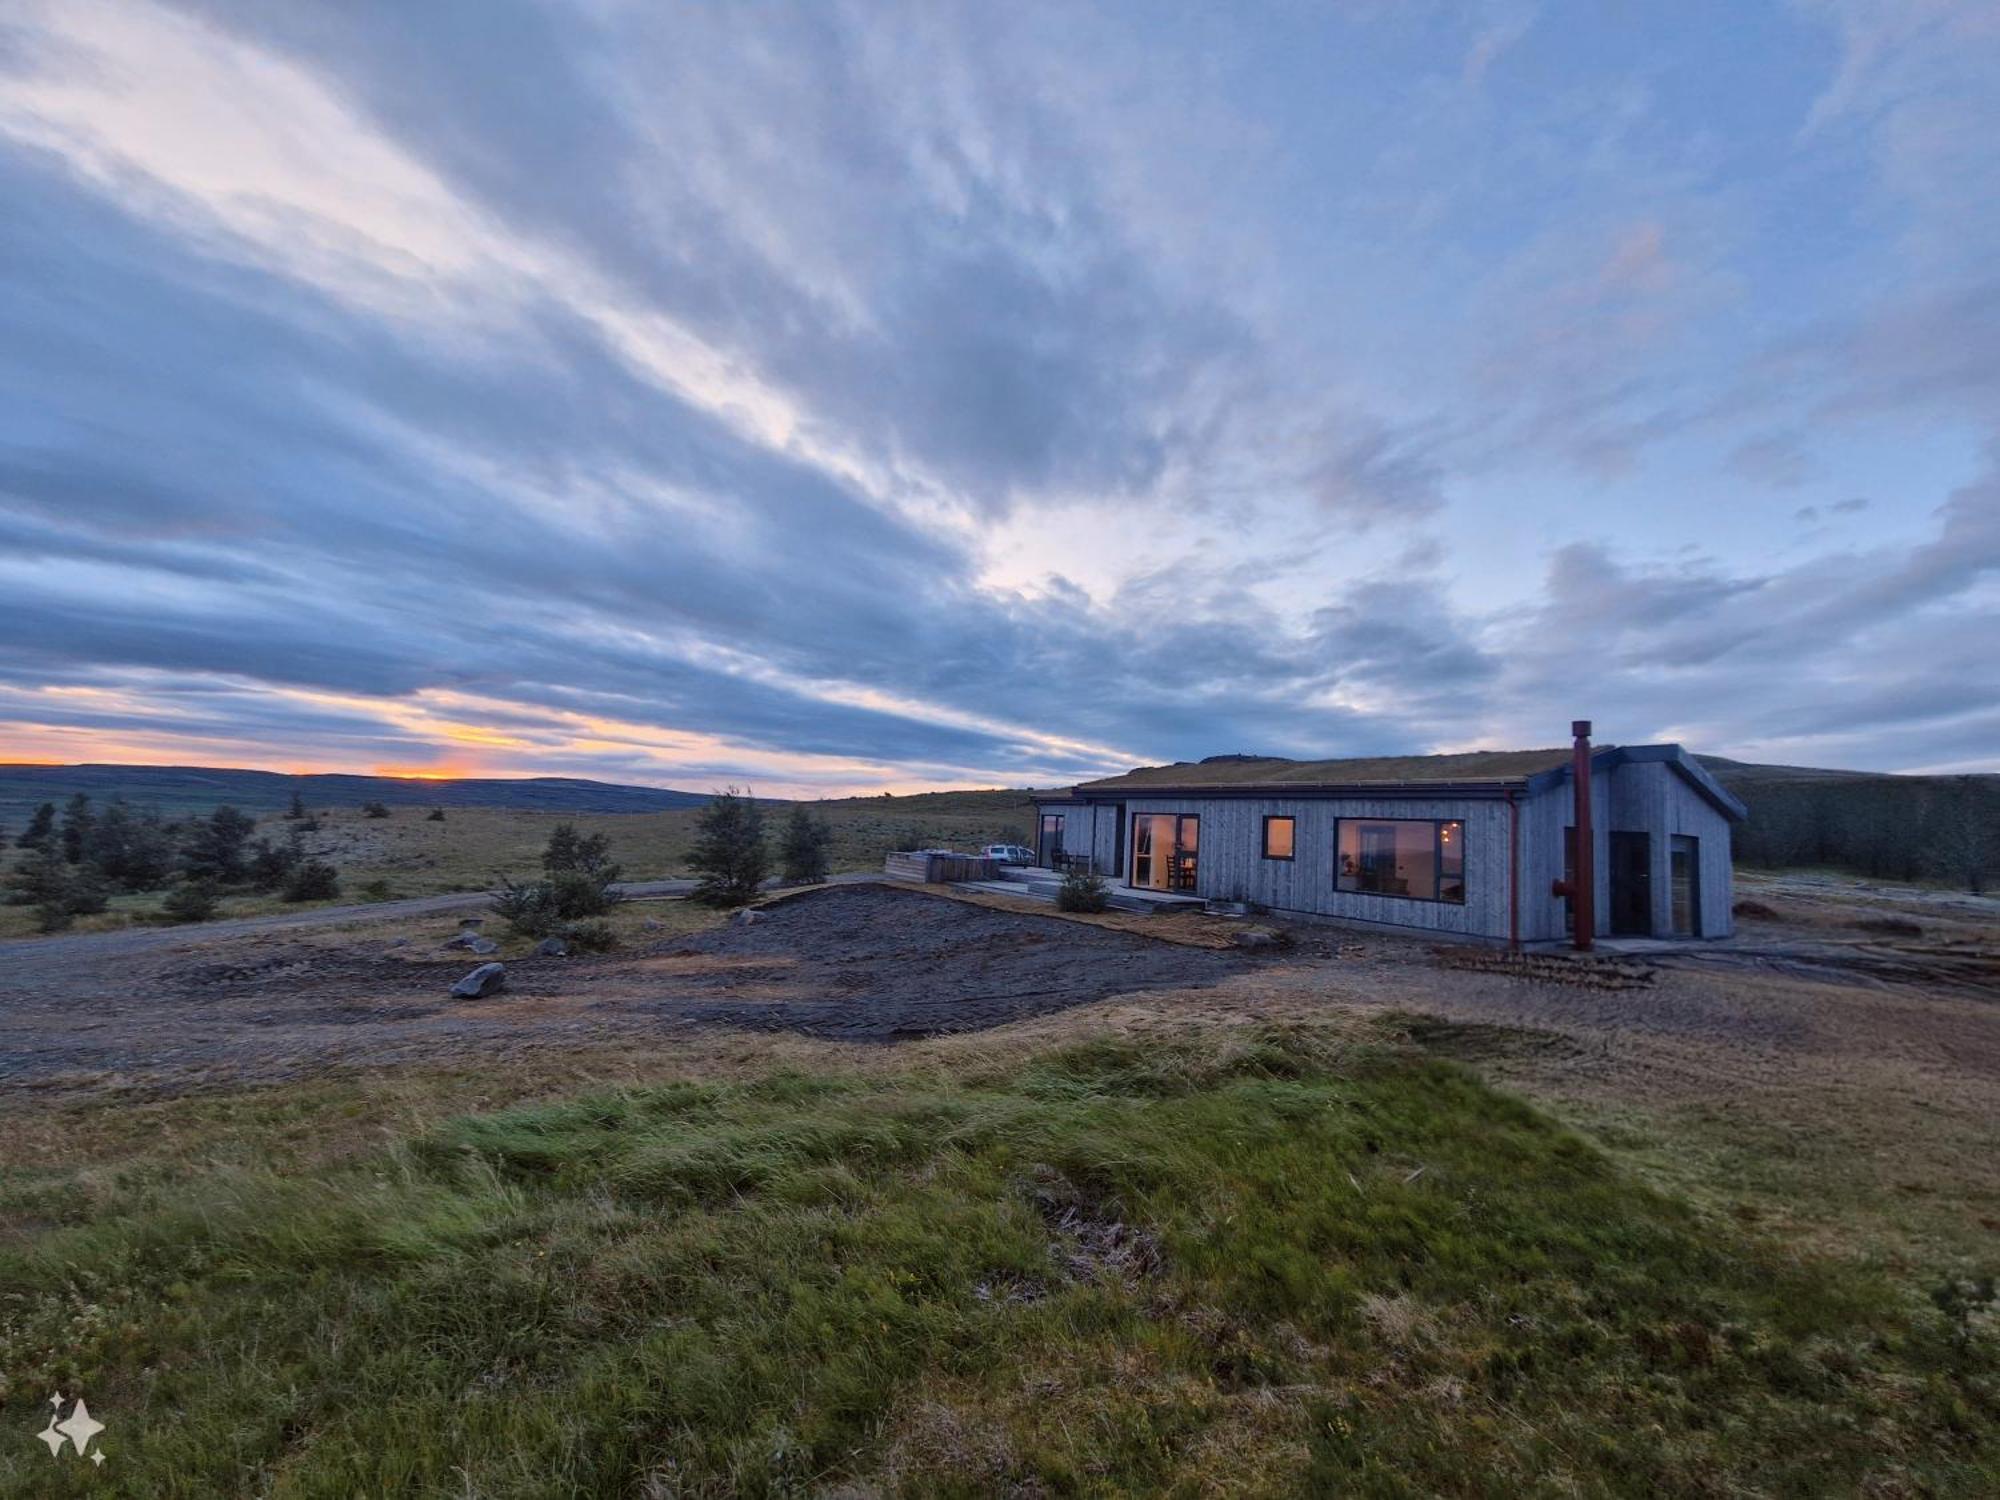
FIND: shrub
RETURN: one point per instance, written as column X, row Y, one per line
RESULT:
column 590, row 937
column 314, row 880
column 214, row 846
column 190, row 901
column 1083, row 890
column 377, row 890
column 435, row 815
column 729, row 853
column 374, row 810
column 576, row 889
column 272, row 864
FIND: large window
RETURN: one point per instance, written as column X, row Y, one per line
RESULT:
column 1279, row 834
column 1420, row 859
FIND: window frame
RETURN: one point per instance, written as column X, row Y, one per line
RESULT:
column 1437, row 863
column 1265, row 845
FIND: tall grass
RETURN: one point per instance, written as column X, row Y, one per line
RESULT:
column 1285, row 1265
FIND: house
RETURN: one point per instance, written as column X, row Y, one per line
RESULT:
column 1480, row 845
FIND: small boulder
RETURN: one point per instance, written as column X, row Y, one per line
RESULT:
column 471, row 923
column 1261, row 939
column 552, row 947
column 746, row 918
column 472, row 942
column 487, row 979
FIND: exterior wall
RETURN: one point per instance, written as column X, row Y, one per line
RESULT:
column 1637, row 797
column 1087, row 829
column 1231, row 866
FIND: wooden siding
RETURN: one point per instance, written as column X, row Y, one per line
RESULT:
column 1231, row 866
column 1647, row 797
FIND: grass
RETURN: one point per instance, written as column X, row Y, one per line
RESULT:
column 474, row 847
column 1260, row 1261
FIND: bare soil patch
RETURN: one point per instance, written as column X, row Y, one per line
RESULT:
column 858, row 963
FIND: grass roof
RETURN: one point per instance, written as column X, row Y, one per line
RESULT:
column 1383, row 770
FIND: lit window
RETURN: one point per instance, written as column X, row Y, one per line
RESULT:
column 1421, row 859
column 1278, row 835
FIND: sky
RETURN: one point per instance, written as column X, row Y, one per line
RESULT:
column 867, row 397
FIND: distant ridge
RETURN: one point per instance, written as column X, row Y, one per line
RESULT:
column 178, row 789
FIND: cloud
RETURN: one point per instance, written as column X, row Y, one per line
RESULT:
column 971, row 394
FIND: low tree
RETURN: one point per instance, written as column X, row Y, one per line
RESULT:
column 77, row 823
column 804, row 848
column 213, row 848
column 729, row 853
column 41, row 828
column 570, row 852
column 134, row 850
column 573, row 895
column 314, row 880
column 297, row 811
column 45, row 882
column 271, row 865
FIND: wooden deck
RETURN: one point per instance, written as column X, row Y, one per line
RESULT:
column 1041, row 885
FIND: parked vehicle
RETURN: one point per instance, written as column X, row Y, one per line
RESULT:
column 1008, row 854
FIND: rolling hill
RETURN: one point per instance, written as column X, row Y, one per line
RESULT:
column 184, row 789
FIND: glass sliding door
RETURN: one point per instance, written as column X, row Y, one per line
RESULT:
column 1165, row 847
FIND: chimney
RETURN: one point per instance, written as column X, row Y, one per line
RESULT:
column 1583, row 887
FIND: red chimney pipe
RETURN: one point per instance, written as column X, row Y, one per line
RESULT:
column 1583, row 892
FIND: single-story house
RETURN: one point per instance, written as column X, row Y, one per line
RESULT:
column 1479, row 845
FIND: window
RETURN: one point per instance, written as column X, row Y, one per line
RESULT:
column 1421, row 859
column 1278, row 836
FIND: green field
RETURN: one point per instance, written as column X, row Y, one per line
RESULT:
column 1272, row 1261
column 474, row 848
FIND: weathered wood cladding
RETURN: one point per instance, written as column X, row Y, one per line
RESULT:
column 1232, row 866
column 1642, row 797
column 1638, row 796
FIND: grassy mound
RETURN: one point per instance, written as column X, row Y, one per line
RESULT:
column 1288, row 1265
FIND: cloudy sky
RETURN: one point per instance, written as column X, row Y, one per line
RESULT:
column 869, row 396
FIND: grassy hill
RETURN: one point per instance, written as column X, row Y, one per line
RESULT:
column 1889, row 827
column 177, row 790
column 1273, row 1262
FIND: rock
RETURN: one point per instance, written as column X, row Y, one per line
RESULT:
column 746, row 918
column 552, row 947
column 487, row 979
column 471, row 923
column 653, row 924
column 472, row 942
column 398, row 942
column 1262, row 939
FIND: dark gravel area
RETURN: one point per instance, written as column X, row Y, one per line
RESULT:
column 858, row 963
column 881, row 965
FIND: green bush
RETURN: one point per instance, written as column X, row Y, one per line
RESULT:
column 313, row 881
column 1083, row 890
column 191, row 901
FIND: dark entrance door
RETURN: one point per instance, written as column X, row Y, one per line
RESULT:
column 1049, row 846
column 1631, row 885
